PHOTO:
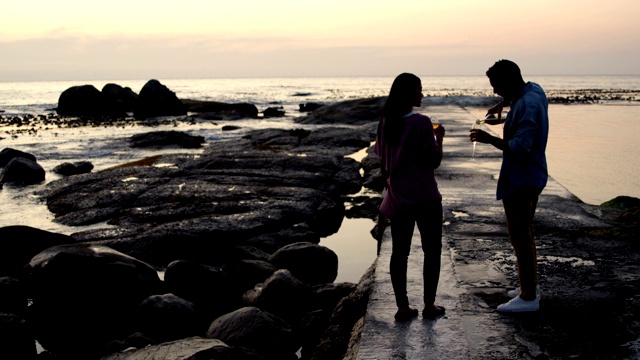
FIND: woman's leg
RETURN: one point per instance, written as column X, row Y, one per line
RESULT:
column 402, row 227
column 430, row 225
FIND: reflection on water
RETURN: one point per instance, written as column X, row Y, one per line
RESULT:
column 355, row 247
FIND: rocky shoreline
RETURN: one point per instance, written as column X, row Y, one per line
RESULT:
column 234, row 232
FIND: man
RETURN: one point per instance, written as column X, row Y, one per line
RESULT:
column 523, row 174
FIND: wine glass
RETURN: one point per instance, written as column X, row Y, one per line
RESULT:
column 434, row 121
column 476, row 125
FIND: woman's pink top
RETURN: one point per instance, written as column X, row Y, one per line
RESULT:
column 409, row 171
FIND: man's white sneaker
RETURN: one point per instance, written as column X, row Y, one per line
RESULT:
column 517, row 304
column 516, row 292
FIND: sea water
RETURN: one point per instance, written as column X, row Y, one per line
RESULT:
column 592, row 150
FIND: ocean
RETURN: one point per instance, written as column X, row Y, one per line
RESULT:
column 592, row 151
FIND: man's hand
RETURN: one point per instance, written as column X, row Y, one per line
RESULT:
column 480, row 136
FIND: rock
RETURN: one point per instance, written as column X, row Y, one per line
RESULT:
column 19, row 243
column 224, row 111
column 308, row 107
column 168, row 317
column 122, row 100
column 274, row 241
column 166, row 138
column 13, row 296
column 248, row 253
column 348, row 313
column 248, row 273
column 213, row 291
column 82, row 100
column 7, row 154
column 230, row 127
column 155, row 99
column 282, row 295
column 22, row 171
column 85, row 296
column 68, row 169
column 237, row 192
column 327, row 296
column 273, row 112
column 189, row 348
column 625, row 203
column 16, row 338
column 353, row 112
column 253, row 328
column 311, row 263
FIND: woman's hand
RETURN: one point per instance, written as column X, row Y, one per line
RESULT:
column 439, row 133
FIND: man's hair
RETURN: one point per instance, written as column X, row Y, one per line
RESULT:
column 505, row 71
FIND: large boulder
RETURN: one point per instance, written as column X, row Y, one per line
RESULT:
column 253, row 328
column 155, row 99
column 213, row 291
column 81, row 100
column 118, row 98
column 85, row 296
column 13, row 296
column 7, row 154
column 22, row 171
column 168, row 317
column 191, row 348
column 313, row 264
column 282, row 295
column 16, row 338
column 19, row 243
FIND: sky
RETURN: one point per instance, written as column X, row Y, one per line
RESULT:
column 44, row 40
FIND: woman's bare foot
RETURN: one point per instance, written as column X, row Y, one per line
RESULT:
column 432, row 311
column 405, row 313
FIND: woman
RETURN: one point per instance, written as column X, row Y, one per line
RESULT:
column 410, row 150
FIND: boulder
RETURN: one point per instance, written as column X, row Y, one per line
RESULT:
column 188, row 348
column 327, row 296
column 313, row 264
column 166, row 138
column 68, row 169
column 85, row 296
column 82, row 100
column 7, row 154
column 253, row 328
column 19, row 243
column 282, row 295
column 118, row 98
column 248, row 273
column 13, row 296
column 22, row 171
column 16, row 338
column 168, row 317
column 155, row 99
column 213, row 291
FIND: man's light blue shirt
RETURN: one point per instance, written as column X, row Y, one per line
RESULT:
column 524, row 164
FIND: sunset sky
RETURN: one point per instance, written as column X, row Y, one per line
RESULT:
column 142, row 39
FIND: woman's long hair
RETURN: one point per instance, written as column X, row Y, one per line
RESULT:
column 401, row 97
